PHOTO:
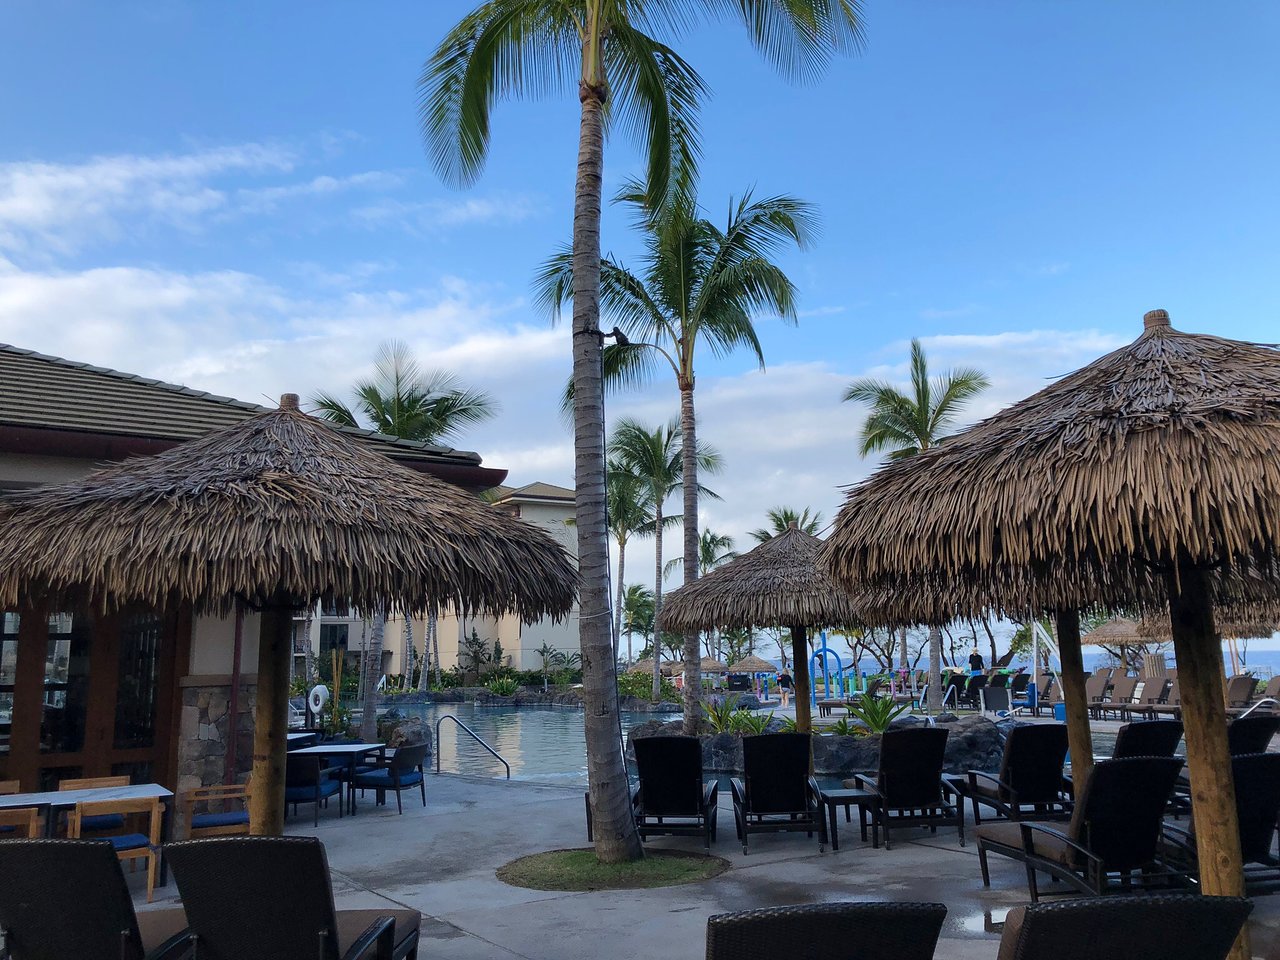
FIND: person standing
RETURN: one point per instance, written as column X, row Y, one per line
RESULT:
column 784, row 687
column 976, row 666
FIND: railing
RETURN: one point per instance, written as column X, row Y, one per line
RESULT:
column 474, row 736
column 1264, row 702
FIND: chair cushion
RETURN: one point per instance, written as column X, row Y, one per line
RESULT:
column 344, row 772
column 352, row 923
column 383, row 778
column 984, row 789
column 129, row 841
column 1012, row 930
column 157, row 926
column 103, row 821
column 231, row 818
column 308, row 794
column 1044, row 845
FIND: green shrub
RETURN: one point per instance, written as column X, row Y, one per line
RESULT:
column 788, row 725
column 640, row 686
column 503, row 686
column 721, row 716
column 747, row 723
column 876, row 713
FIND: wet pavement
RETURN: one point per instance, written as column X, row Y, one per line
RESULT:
column 441, row 860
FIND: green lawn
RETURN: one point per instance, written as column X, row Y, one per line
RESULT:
column 579, row 870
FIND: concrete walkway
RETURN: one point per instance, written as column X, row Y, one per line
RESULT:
column 441, row 860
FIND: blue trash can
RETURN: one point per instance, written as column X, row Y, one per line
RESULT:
column 1060, row 712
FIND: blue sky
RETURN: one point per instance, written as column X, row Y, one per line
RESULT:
column 236, row 196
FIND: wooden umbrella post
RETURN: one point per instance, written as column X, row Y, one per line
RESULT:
column 800, row 653
column 271, row 722
column 1213, row 796
column 1079, row 737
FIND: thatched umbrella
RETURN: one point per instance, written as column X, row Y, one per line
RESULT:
column 712, row 665
column 277, row 511
column 778, row 584
column 645, row 666
column 1146, row 481
column 753, row 664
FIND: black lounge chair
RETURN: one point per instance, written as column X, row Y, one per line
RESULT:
column 1152, row 927
column 403, row 771
column 1114, row 828
column 1257, row 787
column 271, row 897
column 776, row 792
column 828, row 931
column 970, row 696
column 672, row 798
column 1030, row 784
column 907, row 788
column 1018, row 685
column 1251, row 734
column 1147, row 738
column 306, row 782
column 68, row 898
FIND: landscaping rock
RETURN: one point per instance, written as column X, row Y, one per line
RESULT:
column 407, row 732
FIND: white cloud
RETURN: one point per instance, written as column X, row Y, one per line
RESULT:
column 267, row 199
column 431, row 216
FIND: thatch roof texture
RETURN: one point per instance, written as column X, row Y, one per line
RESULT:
column 712, row 665
column 278, row 509
column 1077, row 495
column 1121, row 630
column 646, row 667
column 753, row 664
column 777, row 584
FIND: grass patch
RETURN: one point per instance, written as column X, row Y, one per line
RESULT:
column 580, row 870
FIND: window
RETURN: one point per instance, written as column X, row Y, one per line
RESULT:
column 333, row 636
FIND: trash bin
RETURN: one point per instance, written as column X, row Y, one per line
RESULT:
column 1060, row 712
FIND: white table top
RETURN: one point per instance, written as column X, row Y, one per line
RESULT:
column 335, row 749
column 69, row 798
column 299, row 736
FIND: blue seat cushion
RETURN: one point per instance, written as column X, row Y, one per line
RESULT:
column 129, row 841
column 344, row 773
column 232, row 818
column 8, row 829
column 382, row 779
column 105, row 821
column 307, row 794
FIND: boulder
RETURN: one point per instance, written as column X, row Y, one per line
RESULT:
column 406, row 732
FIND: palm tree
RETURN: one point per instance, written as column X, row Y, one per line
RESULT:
column 905, row 424
column 402, row 400
column 630, row 505
column 780, row 518
column 516, row 48
column 657, row 458
column 714, row 549
column 637, row 612
column 697, row 283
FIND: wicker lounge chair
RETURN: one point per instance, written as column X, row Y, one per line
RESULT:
column 829, row 931
column 1251, row 734
column 776, row 792
column 1153, row 927
column 232, row 886
column 68, row 898
column 1114, row 828
column 1029, row 785
column 1257, row 783
column 305, row 782
column 1270, row 692
column 672, row 798
column 1171, row 706
column 907, row 788
column 403, row 771
column 1148, row 738
column 972, row 692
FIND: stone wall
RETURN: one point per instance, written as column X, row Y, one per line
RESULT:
column 204, row 732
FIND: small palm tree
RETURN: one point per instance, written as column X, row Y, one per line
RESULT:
column 714, row 549
column 780, row 518
column 904, row 424
column 630, row 503
column 404, row 401
column 637, row 612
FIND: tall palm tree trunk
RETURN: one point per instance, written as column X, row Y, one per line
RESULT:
column 617, row 612
column 616, row 839
column 935, row 670
column 373, row 672
column 410, row 657
column 657, row 601
column 689, row 456
column 903, row 663
column 433, row 627
column 308, row 658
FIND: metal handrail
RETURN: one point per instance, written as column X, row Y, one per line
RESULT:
column 1264, row 702
column 474, row 736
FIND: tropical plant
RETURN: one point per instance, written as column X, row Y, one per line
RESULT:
column 402, row 400
column 630, row 504
column 904, row 424
column 503, row 686
column 721, row 714
column 656, row 458
column 751, row 724
column 780, row 518
column 844, row 728
column 698, row 283
column 639, row 686
column 516, row 48
column 476, row 653
column 876, row 713
column 788, row 725
column 714, row 550
column 637, row 613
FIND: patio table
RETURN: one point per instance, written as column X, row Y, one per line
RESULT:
column 848, row 799
column 53, row 801
column 353, row 752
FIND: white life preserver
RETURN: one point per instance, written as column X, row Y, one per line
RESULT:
column 318, row 697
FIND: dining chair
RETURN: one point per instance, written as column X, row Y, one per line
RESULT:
column 106, row 822
column 20, row 823
column 232, row 820
column 128, row 846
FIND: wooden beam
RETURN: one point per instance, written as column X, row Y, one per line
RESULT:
column 800, row 654
column 1204, row 720
column 1079, row 737
column 271, row 722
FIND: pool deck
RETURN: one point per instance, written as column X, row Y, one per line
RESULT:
column 441, row 860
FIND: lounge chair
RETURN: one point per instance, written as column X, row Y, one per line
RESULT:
column 1152, row 927
column 1121, row 699
column 673, row 799
column 830, row 931
column 1095, row 688
column 1114, row 828
column 1270, row 692
column 1147, row 738
column 776, row 792
column 232, row 821
column 1018, row 684
column 128, row 846
column 907, row 787
column 1240, row 690
column 973, row 688
column 1029, row 785
column 1170, row 707
column 403, row 771
column 1251, row 734
column 68, row 898
column 249, row 897
column 1257, row 787
column 305, row 782
column 1049, row 694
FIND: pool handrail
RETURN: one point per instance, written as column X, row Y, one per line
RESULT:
column 474, row 736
